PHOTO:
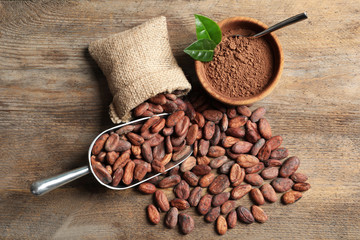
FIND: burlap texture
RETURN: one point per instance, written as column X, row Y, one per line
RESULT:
column 138, row 64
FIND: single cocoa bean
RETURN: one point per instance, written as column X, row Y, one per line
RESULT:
column 157, row 166
column 162, row 201
column 112, row 142
column 291, row 197
column 159, row 151
column 149, row 123
column 179, row 203
column 182, row 126
column 239, row 178
column 125, row 130
column 190, row 111
column 99, row 144
column 212, row 115
column 240, row 191
column 252, row 134
column 167, row 131
column 111, row 157
column 171, row 218
column 232, row 155
column 158, row 99
column 299, row 177
column 268, row 192
column 258, row 167
column 155, row 108
column 201, row 170
column 136, row 151
column 101, row 156
column 231, row 112
column 236, row 132
column 140, row 110
column 181, row 104
column 274, row 142
column 270, row 172
column 264, row 152
column 229, row 141
column 244, row 215
column 301, row 187
column 170, row 107
column 257, row 196
column 188, row 164
column 289, row 166
column 205, row 204
column 237, row 122
column 272, row 163
column 168, row 145
column 203, row 160
column 200, row 120
column 264, row 128
column 279, row 153
column 121, row 161
column 235, row 173
column 231, row 219
column 169, row 181
column 216, row 151
column 203, row 147
column 282, row 184
column 174, row 118
column 218, row 162
column 257, row 146
column 147, row 134
column 182, row 190
column 241, row 147
column 156, row 128
column 194, row 197
column 220, row 183
column 140, row 171
column 192, row 134
column 228, row 206
column 186, row 223
column 191, row 178
column 224, row 123
column 153, row 214
column 213, row 214
column 181, row 154
column 207, row 179
column 128, row 173
column 135, row 139
column 226, row 167
column 117, row 177
column 247, row 160
column 174, row 171
column 147, row 188
column 257, row 114
column 166, row 159
column 147, row 113
column 220, row 198
column 259, row 214
column 221, row 225
column 101, row 172
column 146, row 152
column 209, row 130
column 216, row 137
column 243, row 110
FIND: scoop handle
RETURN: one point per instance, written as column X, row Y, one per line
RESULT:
column 46, row 185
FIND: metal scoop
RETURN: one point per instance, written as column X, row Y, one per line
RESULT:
column 286, row 22
column 46, row 185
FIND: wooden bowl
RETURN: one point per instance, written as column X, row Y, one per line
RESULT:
column 256, row 26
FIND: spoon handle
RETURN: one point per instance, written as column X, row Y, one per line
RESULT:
column 282, row 24
column 46, row 185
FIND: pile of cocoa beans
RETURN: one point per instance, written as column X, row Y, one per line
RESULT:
column 234, row 154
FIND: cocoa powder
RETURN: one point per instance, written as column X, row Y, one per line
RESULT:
column 241, row 66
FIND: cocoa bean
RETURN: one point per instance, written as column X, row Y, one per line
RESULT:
column 146, row 152
column 155, row 108
column 237, row 122
column 121, row 161
column 272, row 163
column 182, row 126
column 147, row 113
column 240, row 191
column 239, row 179
column 224, row 123
column 149, row 123
column 156, row 128
column 147, row 134
column 153, row 214
column 247, row 160
column 203, row 147
column 135, row 139
column 279, row 153
column 158, row 99
column 112, row 142
column 182, row 190
column 159, row 151
column 227, row 206
column 157, row 166
column 232, row 155
column 212, row 115
column 194, row 197
column 216, row 137
column 162, row 201
column 241, row 147
column 231, row 219
column 264, row 128
column 235, row 173
column 140, row 171
column 192, row 134
column 264, row 152
column 177, row 141
column 274, row 142
column 181, row 104
column 301, row 187
column 218, row 162
column 101, row 172
column 140, row 110
column 136, row 151
column 171, row 218
column 147, row 188
column 170, row 107
column 200, row 120
column 156, row 140
column 252, row 135
column 259, row 214
column 221, row 225
column 257, row 146
column 205, row 204
column 257, row 114
column 170, row 96
column 168, row 145
column 213, row 214
column 282, row 184
column 270, row 172
column 167, row 131
column 220, row 198
column 191, row 178
column 244, row 215
column 258, row 167
column 188, row 164
column 99, row 144
column 201, row 170
column 181, row 154
column 111, row 157
column 190, row 111
column 117, row 177
column 174, row 118
column 236, row 132
column 101, row 157
column 225, row 168
column 128, row 173
column 203, row 160
column 299, row 177
column 186, row 223
column 166, row 159
column 169, row 181
column 231, row 112
column 216, row 151
column 268, row 192
column 257, row 196
column 220, row 183
column 206, row 180
column 209, row 130
column 174, row 171
column 289, row 166
column 243, row 110
column 179, row 203
column 291, row 197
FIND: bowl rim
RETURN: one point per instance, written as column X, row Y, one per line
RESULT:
column 249, row 100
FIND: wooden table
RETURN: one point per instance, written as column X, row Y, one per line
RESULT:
column 54, row 101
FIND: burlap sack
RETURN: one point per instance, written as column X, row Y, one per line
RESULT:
column 138, row 64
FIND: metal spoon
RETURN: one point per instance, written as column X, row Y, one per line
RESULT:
column 46, row 185
column 279, row 25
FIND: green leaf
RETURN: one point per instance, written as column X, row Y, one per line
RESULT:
column 207, row 29
column 202, row 50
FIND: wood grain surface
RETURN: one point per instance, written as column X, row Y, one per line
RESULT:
column 54, row 101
